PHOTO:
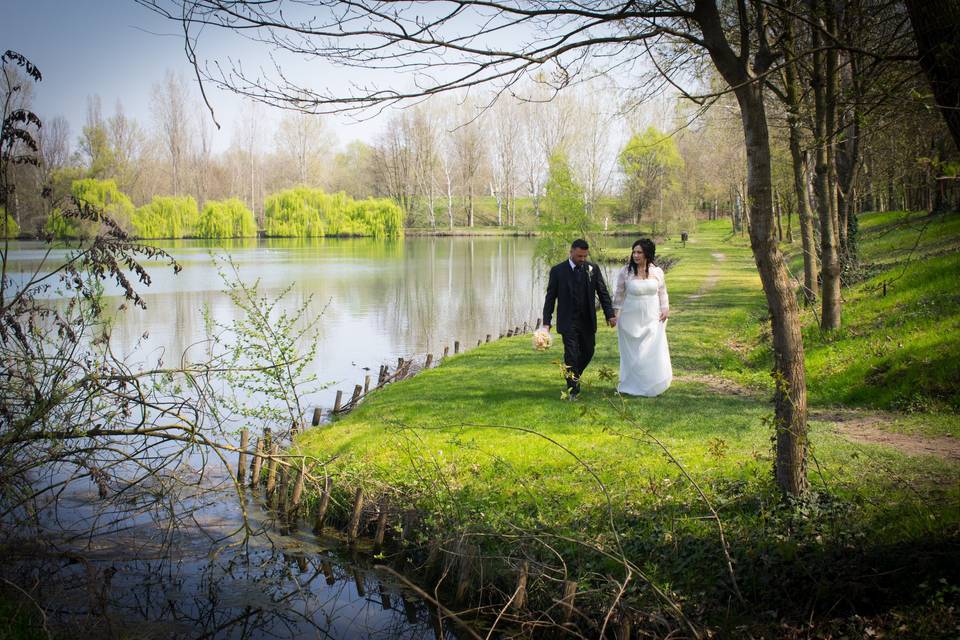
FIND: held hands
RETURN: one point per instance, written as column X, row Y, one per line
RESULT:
column 612, row 321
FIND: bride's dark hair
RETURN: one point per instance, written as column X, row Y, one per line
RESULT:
column 649, row 252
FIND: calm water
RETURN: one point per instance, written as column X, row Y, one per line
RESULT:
column 379, row 300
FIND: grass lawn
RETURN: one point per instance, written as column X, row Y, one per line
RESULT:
column 485, row 451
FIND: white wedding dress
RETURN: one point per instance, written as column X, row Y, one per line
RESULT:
column 645, row 368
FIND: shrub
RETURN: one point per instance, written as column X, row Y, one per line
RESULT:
column 303, row 213
column 166, row 217
column 226, row 219
column 102, row 195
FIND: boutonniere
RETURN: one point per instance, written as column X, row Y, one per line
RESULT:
column 590, row 270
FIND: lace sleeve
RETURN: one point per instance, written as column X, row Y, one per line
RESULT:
column 619, row 291
column 662, row 290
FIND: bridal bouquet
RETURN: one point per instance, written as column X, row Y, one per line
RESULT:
column 542, row 339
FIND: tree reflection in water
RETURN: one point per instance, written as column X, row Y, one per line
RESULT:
column 269, row 586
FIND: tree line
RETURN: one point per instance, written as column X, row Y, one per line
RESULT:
column 844, row 98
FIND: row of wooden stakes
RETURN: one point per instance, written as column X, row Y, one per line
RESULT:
column 405, row 369
column 287, row 503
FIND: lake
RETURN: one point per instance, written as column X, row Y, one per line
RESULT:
column 379, row 300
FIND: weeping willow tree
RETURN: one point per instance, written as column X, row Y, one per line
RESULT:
column 10, row 228
column 303, row 213
column 166, row 217
column 225, row 219
column 100, row 195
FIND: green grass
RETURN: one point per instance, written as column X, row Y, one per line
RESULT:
column 483, row 444
column 899, row 345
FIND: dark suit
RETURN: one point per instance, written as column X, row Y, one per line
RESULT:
column 575, row 294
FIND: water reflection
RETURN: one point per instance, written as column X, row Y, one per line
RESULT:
column 133, row 584
column 380, row 299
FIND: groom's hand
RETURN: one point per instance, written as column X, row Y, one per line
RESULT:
column 612, row 321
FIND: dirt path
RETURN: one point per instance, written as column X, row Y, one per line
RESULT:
column 868, row 427
column 856, row 425
column 710, row 281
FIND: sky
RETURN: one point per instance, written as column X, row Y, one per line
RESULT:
column 118, row 50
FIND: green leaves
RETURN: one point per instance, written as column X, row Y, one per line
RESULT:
column 311, row 213
column 226, row 219
column 651, row 164
column 268, row 349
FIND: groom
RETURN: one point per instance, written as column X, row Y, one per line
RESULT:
column 574, row 285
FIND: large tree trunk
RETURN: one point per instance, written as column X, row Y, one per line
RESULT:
column 935, row 27
column 790, row 396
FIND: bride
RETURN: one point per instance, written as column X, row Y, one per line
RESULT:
column 642, row 307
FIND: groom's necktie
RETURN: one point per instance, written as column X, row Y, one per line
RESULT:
column 580, row 286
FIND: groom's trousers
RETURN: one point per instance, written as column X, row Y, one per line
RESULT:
column 578, row 346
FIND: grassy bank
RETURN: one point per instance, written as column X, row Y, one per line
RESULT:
column 489, row 459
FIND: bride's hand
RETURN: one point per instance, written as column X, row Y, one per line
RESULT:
column 664, row 315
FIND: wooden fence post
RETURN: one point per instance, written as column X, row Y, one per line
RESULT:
column 336, row 403
column 456, row 347
column 569, row 593
column 324, row 503
column 488, row 337
column 355, row 400
column 429, row 361
column 297, row 491
column 257, row 461
column 317, row 414
column 381, row 528
column 520, row 599
column 355, row 516
column 465, row 569
column 272, row 470
column 446, row 352
column 242, row 460
column 279, row 499
column 366, row 384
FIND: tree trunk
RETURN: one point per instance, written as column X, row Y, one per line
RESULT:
column 779, row 214
column 938, row 43
column 470, row 206
column 830, row 263
column 790, row 395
